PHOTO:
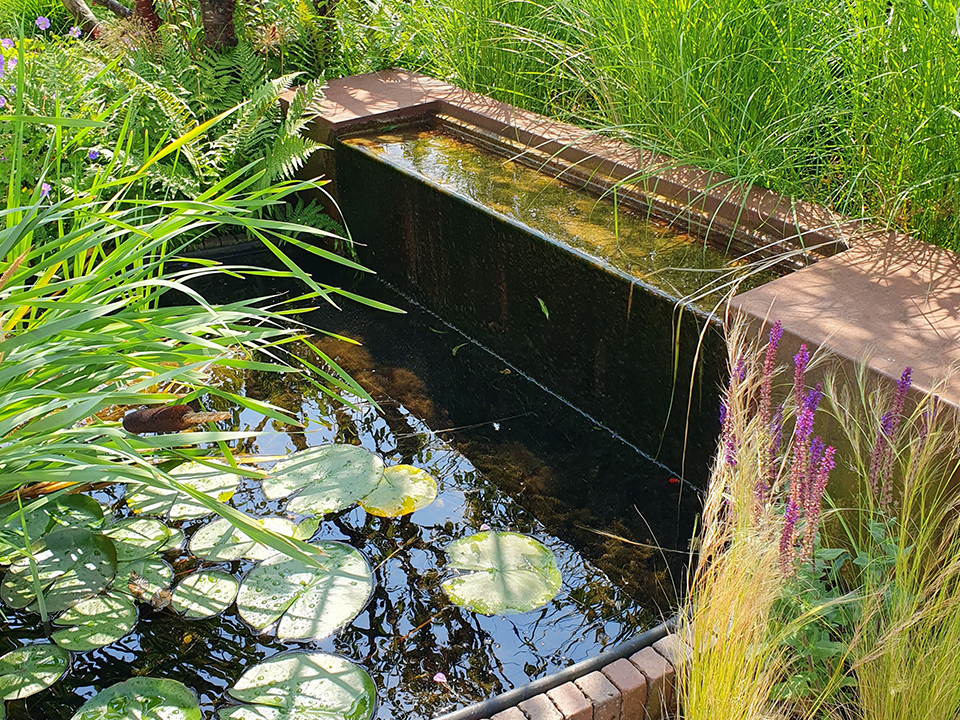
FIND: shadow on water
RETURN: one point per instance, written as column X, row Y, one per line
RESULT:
column 505, row 454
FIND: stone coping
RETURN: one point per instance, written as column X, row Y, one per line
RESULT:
column 887, row 301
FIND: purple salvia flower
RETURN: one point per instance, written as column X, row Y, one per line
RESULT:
column 800, row 361
column 881, row 459
column 814, row 503
column 766, row 379
column 787, row 538
column 739, row 370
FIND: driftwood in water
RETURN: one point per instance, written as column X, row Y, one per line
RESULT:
column 168, row 418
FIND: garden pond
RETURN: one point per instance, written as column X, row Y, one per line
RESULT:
column 479, row 557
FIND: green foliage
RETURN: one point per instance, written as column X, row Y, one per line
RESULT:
column 14, row 13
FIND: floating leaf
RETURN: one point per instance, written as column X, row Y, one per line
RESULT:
column 328, row 478
column 175, row 505
column 137, row 538
column 148, row 575
column 302, row 686
column 402, row 490
column 221, row 541
column 64, row 511
column 505, row 573
column 205, row 594
column 95, row 622
column 73, row 565
column 142, row 698
column 309, row 602
column 30, row 669
column 174, row 542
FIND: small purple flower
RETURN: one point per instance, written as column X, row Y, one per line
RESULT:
column 44, row 190
column 6, row 44
column 42, row 22
column 3, row 101
column 11, row 64
column 484, row 527
column 439, row 678
column 800, row 361
column 93, row 154
column 74, row 32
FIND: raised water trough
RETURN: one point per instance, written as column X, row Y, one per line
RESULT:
column 594, row 294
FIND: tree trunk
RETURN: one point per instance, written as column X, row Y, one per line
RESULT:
column 218, row 29
column 147, row 11
column 82, row 15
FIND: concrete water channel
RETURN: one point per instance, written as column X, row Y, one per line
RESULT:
column 604, row 273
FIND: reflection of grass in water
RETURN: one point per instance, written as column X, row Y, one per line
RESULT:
column 646, row 248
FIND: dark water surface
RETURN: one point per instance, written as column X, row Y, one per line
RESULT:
column 504, row 452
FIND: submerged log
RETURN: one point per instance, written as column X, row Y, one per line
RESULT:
column 168, row 418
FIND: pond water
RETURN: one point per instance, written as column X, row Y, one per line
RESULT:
column 645, row 247
column 505, row 454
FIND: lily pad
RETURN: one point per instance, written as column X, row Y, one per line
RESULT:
column 504, row 572
column 221, row 541
column 310, row 602
column 402, row 490
column 144, row 578
column 30, row 669
column 64, row 511
column 327, row 478
column 205, row 594
column 175, row 505
column 73, row 565
column 95, row 622
column 137, row 538
column 174, row 542
column 143, row 698
column 303, row 686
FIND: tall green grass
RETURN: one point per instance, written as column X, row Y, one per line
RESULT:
column 852, row 104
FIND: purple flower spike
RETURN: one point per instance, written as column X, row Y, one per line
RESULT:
column 42, row 22
column 814, row 502
column 787, row 538
column 881, row 459
column 800, row 361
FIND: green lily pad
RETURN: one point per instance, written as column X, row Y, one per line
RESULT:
column 504, row 572
column 402, row 490
column 63, row 511
column 95, row 622
column 326, row 478
column 144, row 578
column 310, row 602
column 303, row 686
column 30, row 669
column 205, row 594
column 142, row 698
column 137, row 538
column 221, row 541
column 73, row 565
column 175, row 505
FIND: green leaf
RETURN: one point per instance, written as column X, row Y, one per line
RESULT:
column 30, row 669
column 303, row 686
column 328, row 478
column 504, row 572
column 402, row 489
column 137, row 538
column 63, row 511
column 93, row 623
column 205, row 594
column 309, row 602
column 142, row 698
column 175, row 505
column 73, row 565
column 221, row 541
